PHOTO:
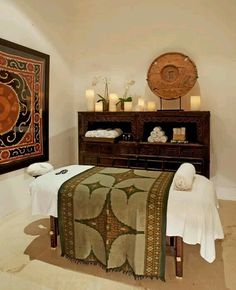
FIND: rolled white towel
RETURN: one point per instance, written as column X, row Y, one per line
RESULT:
column 163, row 139
column 184, row 176
column 157, row 129
column 160, row 133
column 154, row 134
column 150, row 139
column 39, row 168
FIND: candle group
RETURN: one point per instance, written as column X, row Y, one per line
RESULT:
column 195, row 103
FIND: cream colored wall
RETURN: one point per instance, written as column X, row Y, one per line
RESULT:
column 119, row 39
column 44, row 26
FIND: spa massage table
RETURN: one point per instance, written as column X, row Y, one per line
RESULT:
column 192, row 216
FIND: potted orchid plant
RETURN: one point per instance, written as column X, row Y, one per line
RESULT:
column 104, row 99
column 126, row 97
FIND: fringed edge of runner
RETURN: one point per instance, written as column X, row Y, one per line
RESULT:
column 118, row 269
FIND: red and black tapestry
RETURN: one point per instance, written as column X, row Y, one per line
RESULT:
column 24, row 77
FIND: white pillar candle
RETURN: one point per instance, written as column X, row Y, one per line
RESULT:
column 90, row 99
column 195, row 103
column 99, row 107
column 113, row 100
column 89, row 93
column 128, row 106
column 141, row 104
column 151, row 106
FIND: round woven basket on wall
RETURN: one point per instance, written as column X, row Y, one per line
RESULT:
column 172, row 75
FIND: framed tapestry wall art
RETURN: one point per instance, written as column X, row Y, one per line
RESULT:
column 24, row 88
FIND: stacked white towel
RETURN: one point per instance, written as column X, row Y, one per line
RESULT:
column 157, row 135
column 104, row 133
column 184, row 176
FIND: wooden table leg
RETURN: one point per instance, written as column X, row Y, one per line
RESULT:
column 179, row 257
column 53, row 231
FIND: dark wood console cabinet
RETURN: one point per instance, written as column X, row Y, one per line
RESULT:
column 137, row 152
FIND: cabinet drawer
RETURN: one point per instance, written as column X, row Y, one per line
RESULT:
column 126, row 148
column 112, row 161
column 89, row 160
column 150, row 149
column 192, row 152
column 120, row 162
column 90, row 148
column 159, row 150
column 105, row 161
column 96, row 148
column 106, row 149
column 169, row 151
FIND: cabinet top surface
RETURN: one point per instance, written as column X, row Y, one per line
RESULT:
column 156, row 113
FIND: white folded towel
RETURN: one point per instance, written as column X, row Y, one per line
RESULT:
column 119, row 131
column 104, row 133
column 40, row 168
column 90, row 133
column 184, row 176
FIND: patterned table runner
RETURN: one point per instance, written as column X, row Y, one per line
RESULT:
column 116, row 218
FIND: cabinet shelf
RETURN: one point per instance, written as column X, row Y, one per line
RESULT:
column 171, row 144
column 139, row 153
column 98, row 139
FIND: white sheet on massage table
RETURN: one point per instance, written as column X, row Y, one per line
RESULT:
column 192, row 215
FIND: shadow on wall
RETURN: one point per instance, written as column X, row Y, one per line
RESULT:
column 63, row 148
column 56, row 29
column 226, row 148
column 174, row 104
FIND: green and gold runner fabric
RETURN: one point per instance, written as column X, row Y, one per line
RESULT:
column 116, row 217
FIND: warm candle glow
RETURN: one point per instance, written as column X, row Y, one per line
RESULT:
column 141, row 102
column 151, row 106
column 141, row 105
column 128, row 106
column 113, row 99
column 90, row 95
column 99, row 107
column 195, row 103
